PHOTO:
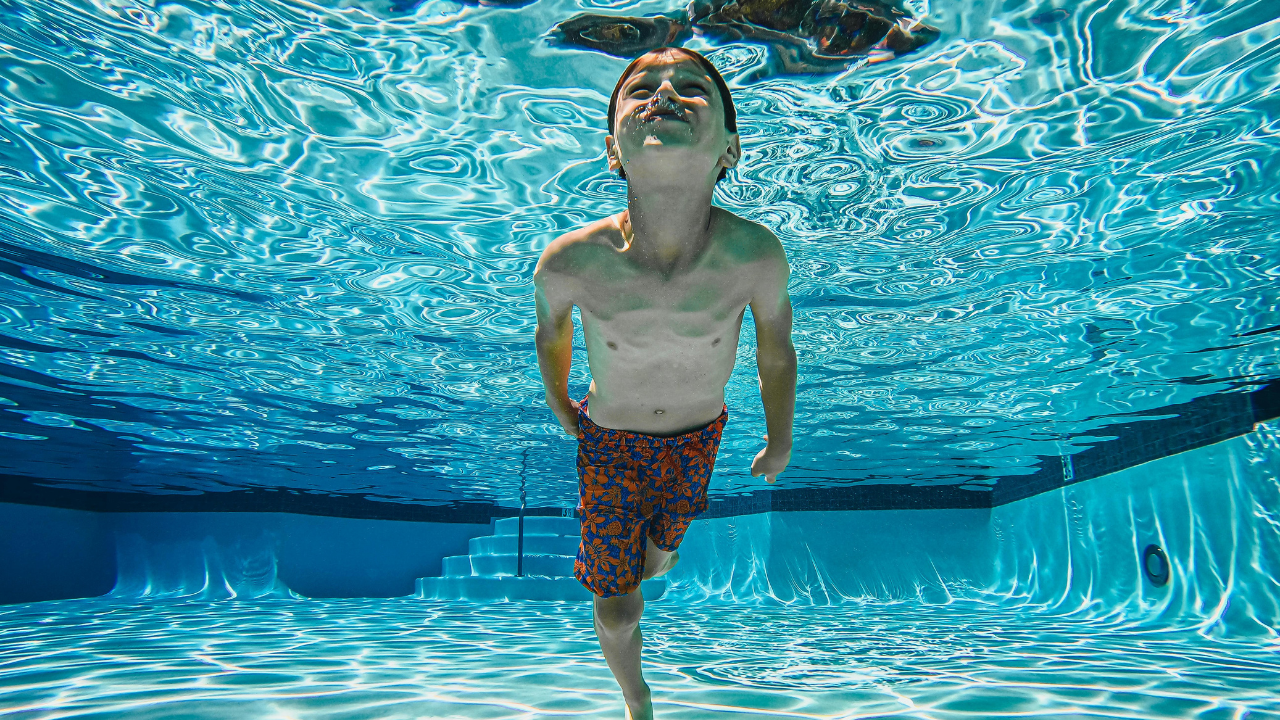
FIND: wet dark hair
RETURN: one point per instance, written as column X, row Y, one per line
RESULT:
column 730, row 113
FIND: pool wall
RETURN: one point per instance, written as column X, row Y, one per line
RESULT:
column 50, row 553
column 1214, row 511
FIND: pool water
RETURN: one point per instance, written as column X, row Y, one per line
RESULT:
column 391, row 659
column 1038, row 608
column 276, row 247
column 285, row 245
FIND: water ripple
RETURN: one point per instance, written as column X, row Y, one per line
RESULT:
column 224, row 226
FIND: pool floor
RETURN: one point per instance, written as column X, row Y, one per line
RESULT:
column 407, row 658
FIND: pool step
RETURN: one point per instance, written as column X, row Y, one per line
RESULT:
column 504, row 565
column 567, row 526
column 488, row 573
column 489, row 589
column 534, row 544
column 541, row 565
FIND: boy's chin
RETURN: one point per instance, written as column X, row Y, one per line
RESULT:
column 671, row 136
column 668, row 168
column 666, row 143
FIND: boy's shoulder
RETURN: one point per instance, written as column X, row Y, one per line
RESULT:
column 744, row 239
column 584, row 246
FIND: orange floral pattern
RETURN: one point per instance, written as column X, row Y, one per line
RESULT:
column 632, row 486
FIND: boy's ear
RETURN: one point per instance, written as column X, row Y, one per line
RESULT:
column 611, row 153
column 733, row 153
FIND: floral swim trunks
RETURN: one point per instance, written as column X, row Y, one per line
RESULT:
column 632, row 486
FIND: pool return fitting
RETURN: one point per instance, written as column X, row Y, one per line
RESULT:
column 1155, row 565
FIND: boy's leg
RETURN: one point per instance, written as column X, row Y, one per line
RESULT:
column 658, row 562
column 617, row 621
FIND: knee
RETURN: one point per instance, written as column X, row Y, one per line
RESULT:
column 617, row 616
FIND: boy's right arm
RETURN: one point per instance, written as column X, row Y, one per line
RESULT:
column 554, row 340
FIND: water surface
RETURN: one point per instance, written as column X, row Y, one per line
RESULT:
column 289, row 245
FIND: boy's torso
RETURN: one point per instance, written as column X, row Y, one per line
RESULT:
column 661, row 346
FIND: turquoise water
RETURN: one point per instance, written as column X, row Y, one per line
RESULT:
column 289, row 245
column 1031, row 609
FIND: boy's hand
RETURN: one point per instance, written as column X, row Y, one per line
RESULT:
column 770, row 462
column 567, row 415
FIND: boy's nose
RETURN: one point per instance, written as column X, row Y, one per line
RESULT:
column 667, row 91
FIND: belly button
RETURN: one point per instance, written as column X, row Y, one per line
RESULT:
column 657, row 412
column 715, row 342
column 612, row 345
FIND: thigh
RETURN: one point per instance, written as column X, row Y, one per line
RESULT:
column 654, row 557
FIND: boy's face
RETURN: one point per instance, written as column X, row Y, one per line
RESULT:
column 670, row 118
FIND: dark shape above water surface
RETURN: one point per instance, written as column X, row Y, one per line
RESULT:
column 803, row 36
column 625, row 37
column 1050, row 17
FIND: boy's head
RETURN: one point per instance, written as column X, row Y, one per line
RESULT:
column 695, row 87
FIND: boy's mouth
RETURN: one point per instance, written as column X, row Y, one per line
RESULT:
column 663, row 111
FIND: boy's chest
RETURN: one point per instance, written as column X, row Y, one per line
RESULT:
column 703, row 295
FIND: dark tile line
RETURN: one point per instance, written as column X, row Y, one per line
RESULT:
column 1194, row 424
column 1204, row 421
column 24, row 491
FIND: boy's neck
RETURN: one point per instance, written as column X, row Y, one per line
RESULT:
column 668, row 224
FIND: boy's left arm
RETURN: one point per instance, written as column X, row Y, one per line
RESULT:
column 775, row 362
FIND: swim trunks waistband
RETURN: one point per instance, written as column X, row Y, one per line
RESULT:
column 587, row 426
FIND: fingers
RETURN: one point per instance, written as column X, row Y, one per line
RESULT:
column 768, row 476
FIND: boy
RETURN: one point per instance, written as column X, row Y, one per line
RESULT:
column 662, row 288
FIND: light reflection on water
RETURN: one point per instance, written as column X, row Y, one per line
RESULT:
column 274, row 244
column 403, row 658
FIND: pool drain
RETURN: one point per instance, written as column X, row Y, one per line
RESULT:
column 1155, row 565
